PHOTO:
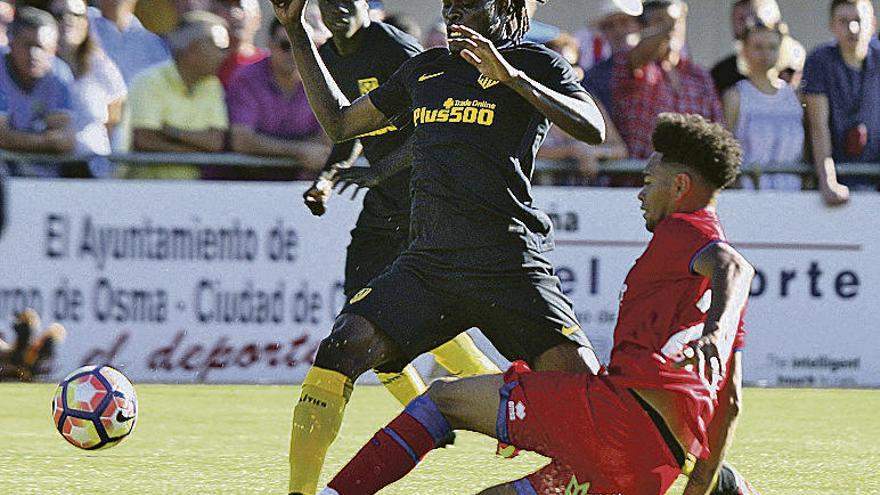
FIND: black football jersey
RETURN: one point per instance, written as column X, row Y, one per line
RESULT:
column 475, row 146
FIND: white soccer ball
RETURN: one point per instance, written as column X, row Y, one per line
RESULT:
column 95, row 407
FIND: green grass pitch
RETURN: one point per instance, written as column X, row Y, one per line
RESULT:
column 205, row 439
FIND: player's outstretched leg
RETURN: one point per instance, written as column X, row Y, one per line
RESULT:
column 461, row 357
column 353, row 347
column 465, row 404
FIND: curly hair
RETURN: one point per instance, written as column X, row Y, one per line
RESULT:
column 515, row 14
column 705, row 147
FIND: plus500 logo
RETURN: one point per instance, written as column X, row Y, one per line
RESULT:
column 457, row 112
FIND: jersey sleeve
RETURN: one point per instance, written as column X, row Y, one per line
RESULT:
column 816, row 74
column 392, row 98
column 681, row 242
column 560, row 76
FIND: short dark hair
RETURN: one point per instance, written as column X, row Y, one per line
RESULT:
column 28, row 17
column 705, row 147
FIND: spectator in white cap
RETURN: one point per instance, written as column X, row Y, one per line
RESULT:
column 621, row 32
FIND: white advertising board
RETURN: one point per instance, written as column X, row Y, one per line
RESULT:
column 232, row 282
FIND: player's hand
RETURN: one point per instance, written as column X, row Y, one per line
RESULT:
column 316, row 197
column 834, row 194
column 478, row 51
column 289, row 12
column 703, row 355
column 358, row 176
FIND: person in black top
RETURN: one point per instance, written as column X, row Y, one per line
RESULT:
column 360, row 56
column 480, row 113
column 726, row 72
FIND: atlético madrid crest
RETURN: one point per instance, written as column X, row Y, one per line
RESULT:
column 486, row 82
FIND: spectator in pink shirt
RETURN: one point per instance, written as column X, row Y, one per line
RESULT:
column 656, row 77
column 268, row 111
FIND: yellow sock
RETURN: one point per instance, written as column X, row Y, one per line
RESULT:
column 461, row 357
column 404, row 386
column 316, row 420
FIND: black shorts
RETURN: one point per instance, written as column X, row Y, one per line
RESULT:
column 370, row 252
column 421, row 302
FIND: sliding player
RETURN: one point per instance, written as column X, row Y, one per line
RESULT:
column 629, row 431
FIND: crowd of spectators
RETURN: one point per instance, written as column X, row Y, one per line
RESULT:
column 94, row 80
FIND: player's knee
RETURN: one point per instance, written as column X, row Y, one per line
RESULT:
column 346, row 349
column 442, row 392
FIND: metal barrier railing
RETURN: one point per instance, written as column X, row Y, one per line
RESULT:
column 627, row 166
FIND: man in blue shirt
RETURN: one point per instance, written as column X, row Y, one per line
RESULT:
column 842, row 93
column 35, row 101
column 127, row 42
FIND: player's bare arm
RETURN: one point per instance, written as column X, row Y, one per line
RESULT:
column 577, row 115
column 340, row 119
column 731, row 278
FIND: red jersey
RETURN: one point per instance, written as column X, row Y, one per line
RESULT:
column 663, row 305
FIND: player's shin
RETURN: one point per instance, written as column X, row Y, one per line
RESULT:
column 394, row 450
column 461, row 357
column 316, row 420
column 404, row 386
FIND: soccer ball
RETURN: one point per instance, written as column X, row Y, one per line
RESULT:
column 95, row 407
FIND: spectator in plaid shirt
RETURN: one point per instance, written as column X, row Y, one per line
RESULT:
column 656, row 76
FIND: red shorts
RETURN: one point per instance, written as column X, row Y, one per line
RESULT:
column 600, row 438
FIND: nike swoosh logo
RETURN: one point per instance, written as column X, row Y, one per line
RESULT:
column 122, row 418
column 425, row 77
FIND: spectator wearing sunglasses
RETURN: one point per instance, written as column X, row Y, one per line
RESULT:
column 270, row 115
